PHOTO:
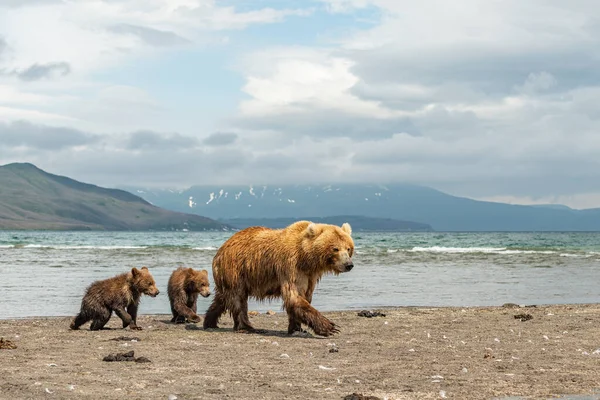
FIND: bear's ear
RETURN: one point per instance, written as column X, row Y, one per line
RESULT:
column 146, row 268
column 311, row 230
column 135, row 272
column 347, row 228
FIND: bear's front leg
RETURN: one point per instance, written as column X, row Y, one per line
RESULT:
column 300, row 311
column 132, row 310
column 186, row 313
column 127, row 320
column 192, row 303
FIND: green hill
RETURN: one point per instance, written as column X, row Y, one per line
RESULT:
column 34, row 199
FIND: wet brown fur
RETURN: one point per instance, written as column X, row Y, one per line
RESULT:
column 120, row 294
column 272, row 263
column 185, row 284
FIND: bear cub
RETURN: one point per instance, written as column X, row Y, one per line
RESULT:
column 184, row 286
column 120, row 294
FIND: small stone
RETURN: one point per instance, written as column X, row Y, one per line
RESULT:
column 172, row 397
column 6, row 344
column 126, row 339
column 523, row 317
column 270, row 312
column 370, row 314
column 326, row 368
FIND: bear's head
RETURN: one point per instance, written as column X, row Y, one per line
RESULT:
column 333, row 245
column 197, row 282
column 143, row 282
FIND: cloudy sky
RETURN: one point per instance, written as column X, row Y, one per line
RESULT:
column 487, row 99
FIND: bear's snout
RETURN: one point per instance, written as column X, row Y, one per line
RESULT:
column 349, row 265
column 154, row 293
column 205, row 294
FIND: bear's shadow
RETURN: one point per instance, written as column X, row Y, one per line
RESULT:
column 260, row 332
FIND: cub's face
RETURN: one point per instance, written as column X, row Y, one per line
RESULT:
column 199, row 283
column 336, row 244
column 144, row 282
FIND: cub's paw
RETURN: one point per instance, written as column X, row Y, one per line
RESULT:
column 195, row 318
column 134, row 327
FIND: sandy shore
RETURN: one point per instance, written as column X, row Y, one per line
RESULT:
column 411, row 353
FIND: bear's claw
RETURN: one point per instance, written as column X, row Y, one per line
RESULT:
column 326, row 328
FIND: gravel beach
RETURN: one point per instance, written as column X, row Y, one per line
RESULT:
column 533, row 352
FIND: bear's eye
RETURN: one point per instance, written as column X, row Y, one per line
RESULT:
column 336, row 249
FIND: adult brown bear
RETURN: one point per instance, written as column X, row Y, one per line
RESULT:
column 270, row 263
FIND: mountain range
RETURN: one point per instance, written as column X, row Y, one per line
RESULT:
column 402, row 202
column 31, row 198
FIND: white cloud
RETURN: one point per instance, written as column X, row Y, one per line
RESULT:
column 301, row 80
column 445, row 94
column 484, row 99
column 93, row 34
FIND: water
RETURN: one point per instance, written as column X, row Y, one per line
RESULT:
column 46, row 273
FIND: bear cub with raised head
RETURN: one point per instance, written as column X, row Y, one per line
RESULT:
column 120, row 294
column 284, row 263
column 185, row 284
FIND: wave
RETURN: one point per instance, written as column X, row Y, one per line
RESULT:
column 487, row 250
column 441, row 249
column 498, row 250
column 82, row 247
column 99, row 247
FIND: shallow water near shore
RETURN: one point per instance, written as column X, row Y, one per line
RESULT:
column 46, row 273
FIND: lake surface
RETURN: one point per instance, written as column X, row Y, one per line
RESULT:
column 46, row 273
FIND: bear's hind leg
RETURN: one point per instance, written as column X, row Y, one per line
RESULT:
column 214, row 312
column 240, row 315
column 79, row 320
column 100, row 319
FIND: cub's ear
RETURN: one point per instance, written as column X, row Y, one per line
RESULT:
column 135, row 272
column 146, row 268
column 347, row 228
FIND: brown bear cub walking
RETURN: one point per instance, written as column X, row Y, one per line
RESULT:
column 120, row 294
column 184, row 286
column 271, row 263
